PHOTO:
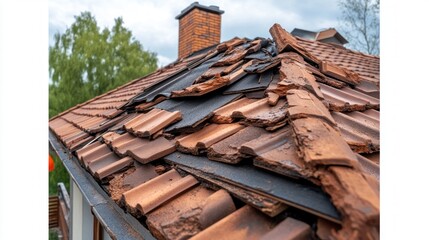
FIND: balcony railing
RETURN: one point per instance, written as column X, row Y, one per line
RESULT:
column 59, row 212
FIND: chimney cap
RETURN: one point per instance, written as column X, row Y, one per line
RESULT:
column 211, row 8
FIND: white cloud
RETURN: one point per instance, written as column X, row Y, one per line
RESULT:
column 153, row 22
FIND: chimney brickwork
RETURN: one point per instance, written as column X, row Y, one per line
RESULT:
column 199, row 27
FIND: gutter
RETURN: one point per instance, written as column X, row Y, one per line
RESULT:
column 117, row 223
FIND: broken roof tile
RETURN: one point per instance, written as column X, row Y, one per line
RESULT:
column 355, row 199
column 340, row 73
column 152, row 150
column 299, row 194
column 290, row 229
column 245, row 223
column 319, row 143
column 131, row 178
column 303, row 104
column 176, row 82
column 285, row 41
column 78, row 144
column 189, row 213
column 267, row 205
column 294, row 76
column 347, row 99
column 261, row 114
column 146, row 124
column 283, row 160
column 275, row 151
column 263, row 65
column 151, row 194
column 223, row 114
column 213, row 84
column 201, row 140
column 147, row 105
column 251, row 82
column 227, row 149
column 360, row 131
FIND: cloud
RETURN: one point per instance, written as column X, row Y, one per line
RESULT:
column 153, row 22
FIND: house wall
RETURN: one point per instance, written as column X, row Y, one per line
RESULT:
column 82, row 219
column 197, row 30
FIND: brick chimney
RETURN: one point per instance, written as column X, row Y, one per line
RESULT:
column 199, row 27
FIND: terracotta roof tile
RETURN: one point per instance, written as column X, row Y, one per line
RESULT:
column 347, row 99
column 146, row 124
column 303, row 104
column 211, row 85
column 152, row 150
column 201, row 140
column 293, row 76
column 319, row 143
column 261, row 114
column 289, row 228
column 281, row 157
column 223, row 114
column 227, row 149
column 188, row 214
column 106, row 166
column 360, row 131
column 149, row 195
column 131, row 178
column 128, row 144
column 245, row 223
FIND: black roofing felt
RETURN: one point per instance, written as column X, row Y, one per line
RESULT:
column 175, row 83
column 251, row 82
column 296, row 193
column 195, row 110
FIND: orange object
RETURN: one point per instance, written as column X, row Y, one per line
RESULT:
column 51, row 164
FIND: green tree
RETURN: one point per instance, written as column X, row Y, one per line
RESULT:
column 85, row 62
column 360, row 23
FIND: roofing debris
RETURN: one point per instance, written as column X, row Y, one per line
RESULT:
column 280, row 137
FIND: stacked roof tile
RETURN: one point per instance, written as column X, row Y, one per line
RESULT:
column 248, row 139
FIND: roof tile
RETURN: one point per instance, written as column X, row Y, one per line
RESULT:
column 146, row 124
column 149, row 195
column 290, row 229
column 347, row 99
column 303, row 104
column 201, row 140
column 246, row 223
column 152, row 150
column 227, row 149
column 319, row 143
column 293, row 76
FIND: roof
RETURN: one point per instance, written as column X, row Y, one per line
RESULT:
column 323, row 35
column 280, row 137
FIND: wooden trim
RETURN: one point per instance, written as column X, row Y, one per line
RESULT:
column 97, row 230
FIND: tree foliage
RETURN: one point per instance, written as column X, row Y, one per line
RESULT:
column 361, row 24
column 85, row 62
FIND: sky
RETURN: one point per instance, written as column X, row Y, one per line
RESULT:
column 153, row 22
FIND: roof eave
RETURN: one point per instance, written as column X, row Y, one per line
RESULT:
column 113, row 219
